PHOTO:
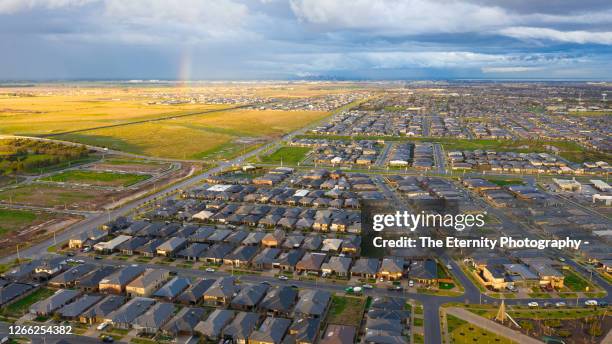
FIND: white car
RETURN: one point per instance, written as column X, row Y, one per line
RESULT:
column 102, row 326
column 209, row 270
column 533, row 304
column 367, row 286
column 448, row 266
column 283, row 278
column 560, row 304
column 411, row 283
column 80, row 261
column 590, row 303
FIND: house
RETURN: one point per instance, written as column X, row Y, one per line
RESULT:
column 312, row 303
column 194, row 294
column 424, row 271
column 172, row 288
column 124, row 316
column 279, row 301
column 241, row 256
column 331, row 245
column 338, row 266
column 13, row 292
column 102, row 309
column 217, row 252
column 201, row 234
column 170, row 247
column 86, row 239
column 111, row 245
column 184, row 322
column 491, row 272
column 70, row 277
column 271, row 331
column 391, row 269
column 303, row 331
column 193, row 252
column 48, row 267
column 273, row 239
column 311, row 263
column 91, row 281
column 365, row 267
column 288, row 260
column 239, row 330
column 265, row 258
column 221, row 291
column 128, row 247
column 118, row 281
column 211, row 328
column 339, row 334
column 293, row 241
column 147, row 283
column 49, row 305
column 154, row 318
column 254, row 238
column 249, row 296
column 150, row 248
column 73, row 310
column 549, row 275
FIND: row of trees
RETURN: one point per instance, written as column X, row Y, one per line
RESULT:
column 22, row 155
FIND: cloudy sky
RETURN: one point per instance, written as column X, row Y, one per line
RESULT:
column 289, row 39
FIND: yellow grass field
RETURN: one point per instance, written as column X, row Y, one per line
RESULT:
column 43, row 115
column 198, row 136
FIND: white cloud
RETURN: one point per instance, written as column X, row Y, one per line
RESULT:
column 517, row 69
column 14, row 6
column 400, row 17
column 538, row 33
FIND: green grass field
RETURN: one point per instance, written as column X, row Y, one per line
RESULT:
column 286, row 155
column 97, row 178
column 461, row 331
column 574, row 282
column 346, row 310
column 11, row 220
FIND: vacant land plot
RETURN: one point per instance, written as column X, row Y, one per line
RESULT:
column 50, row 114
column 97, row 178
column 208, row 135
column 54, row 196
column 346, row 310
column 286, row 155
column 15, row 220
column 129, row 165
column 574, row 282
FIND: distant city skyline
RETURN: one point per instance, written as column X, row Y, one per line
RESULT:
column 305, row 39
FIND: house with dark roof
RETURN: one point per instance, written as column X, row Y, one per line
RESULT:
column 124, row 316
column 424, row 271
column 311, row 263
column 338, row 266
column 249, row 296
column 312, row 303
column 339, row 334
column 217, row 252
column 391, row 268
column 116, row 282
column 194, row 294
column 193, row 252
column 13, row 292
column 265, row 258
column 279, row 301
column 128, row 247
column 54, row 302
column 99, row 312
column 241, row 256
column 150, row 248
column 184, row 322
column 239, row 330
column 154, row 318
column 211, row 328
column 271, row 331
column 221, row 291
column 147, row 283
column 73, row 310
column 365, row 267
column 172, row 289
column 70, row 277
column 288, row 260
column 90, row 281
column 172, row 246
column 303, row 331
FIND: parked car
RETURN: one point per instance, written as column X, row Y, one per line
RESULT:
column 590, row 303
column 102, row 326
column 411, row 283
column 560, row 304
column 209, row 270
column 283, row 278
column 533, row 304
column 367, row 286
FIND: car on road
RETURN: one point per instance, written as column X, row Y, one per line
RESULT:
column 396, row 288
column 108, row 339
column 209, row 270
column 367, row 286
column 448, row 266
column 590, row 303
column 265, row 282
column 560, row 304
column 533, row 304
column 80, row 261
column 86, row 249
column 70, row 254
column 102, row 326
column 561, row 259
column 97, row 257
column 411, row 283
column 283, row 278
